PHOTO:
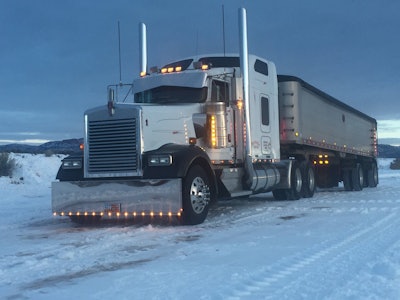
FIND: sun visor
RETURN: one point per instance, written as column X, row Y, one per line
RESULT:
column 187, row 79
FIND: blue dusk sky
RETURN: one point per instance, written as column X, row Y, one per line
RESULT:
column 57, row 57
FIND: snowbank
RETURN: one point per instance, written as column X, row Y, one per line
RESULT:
column 337, row 245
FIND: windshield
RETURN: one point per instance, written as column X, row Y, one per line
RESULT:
column 172, row 94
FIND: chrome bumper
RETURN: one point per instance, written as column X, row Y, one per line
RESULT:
column 117, row 198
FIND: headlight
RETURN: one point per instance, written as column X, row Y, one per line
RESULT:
column 72, row 164
column 160, row 160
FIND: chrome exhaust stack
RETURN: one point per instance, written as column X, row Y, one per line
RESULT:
column 244, row 69
column 260, row 177
column 142, row 48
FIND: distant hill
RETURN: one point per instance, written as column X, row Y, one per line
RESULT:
column 388, row 151
column 57, row 147
column 72, row 145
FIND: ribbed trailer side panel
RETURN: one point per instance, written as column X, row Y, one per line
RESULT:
column 310, row 117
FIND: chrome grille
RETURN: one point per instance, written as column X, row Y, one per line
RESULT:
column 112, row 147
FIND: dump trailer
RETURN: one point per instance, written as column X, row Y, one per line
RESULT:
column 210, row 127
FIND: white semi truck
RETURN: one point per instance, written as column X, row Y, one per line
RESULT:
column 211, row 127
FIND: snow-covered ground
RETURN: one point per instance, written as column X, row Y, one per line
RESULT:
column 337, row 245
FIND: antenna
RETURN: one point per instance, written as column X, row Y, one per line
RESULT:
column 119, row 54
column 223, row 27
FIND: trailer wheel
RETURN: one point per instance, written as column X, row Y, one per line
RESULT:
column 294, row 193
column 196, row 196
column 373, row 178
column 308, row 176
column 357, row 177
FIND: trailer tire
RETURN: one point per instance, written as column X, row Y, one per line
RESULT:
column 357, row 177
column 372, row 174
column 196, row 196
column 309, row 183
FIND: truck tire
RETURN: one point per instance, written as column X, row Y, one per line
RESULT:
column 347, row 182
column 308, row 176
column 296, row 179
column 279, row 194
column 357, row 177
column 373, row 178
column 296, row 189
column 196, row 196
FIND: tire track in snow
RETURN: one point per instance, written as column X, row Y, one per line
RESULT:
column 300, row 275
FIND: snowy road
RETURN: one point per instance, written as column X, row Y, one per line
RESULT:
column 337, row 245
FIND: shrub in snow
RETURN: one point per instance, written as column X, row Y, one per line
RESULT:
column 48, row 153
column 7, row 164
column 395, row 165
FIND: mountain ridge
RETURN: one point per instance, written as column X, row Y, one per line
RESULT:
column 70, row 146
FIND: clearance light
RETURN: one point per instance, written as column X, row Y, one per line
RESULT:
column 213, row 128
column 170, row 69
column 204, row 67
column 164, row 70
column 178, row 69
column 192, row 141
column 239, row 104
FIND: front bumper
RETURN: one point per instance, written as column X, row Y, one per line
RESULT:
column 115, row 198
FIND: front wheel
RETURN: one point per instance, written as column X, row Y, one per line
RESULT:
column 196, row 196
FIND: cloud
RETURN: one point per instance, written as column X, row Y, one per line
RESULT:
column 389, row 129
